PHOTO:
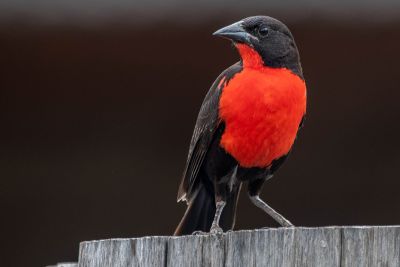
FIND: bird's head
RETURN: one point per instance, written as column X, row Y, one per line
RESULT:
column 265, row 41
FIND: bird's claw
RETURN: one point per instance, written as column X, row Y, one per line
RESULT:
column 287, row 224
column 199, row 233
column 215, row 229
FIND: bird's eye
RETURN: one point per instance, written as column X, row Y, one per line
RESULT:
column 263, row 31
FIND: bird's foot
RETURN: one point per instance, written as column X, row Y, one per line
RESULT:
column 215, row 229
column 287, row 224
column 199, row 233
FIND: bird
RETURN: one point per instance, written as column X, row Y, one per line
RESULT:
column 246, row 126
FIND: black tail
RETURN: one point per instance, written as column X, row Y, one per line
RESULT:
column 201, row 210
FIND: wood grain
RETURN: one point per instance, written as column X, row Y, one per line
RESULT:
column 301, row 247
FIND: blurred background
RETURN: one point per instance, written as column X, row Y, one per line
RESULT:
column 98, row 100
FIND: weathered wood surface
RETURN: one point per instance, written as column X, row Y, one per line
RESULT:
column 325, row 246
column 65, row 264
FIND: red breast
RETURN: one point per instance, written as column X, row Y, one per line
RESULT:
column 262, row 108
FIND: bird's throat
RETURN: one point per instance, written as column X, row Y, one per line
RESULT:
column 250, row 57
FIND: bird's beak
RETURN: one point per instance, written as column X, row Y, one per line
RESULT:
column 234, row 32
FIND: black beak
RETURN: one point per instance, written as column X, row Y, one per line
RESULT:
column 234, row 32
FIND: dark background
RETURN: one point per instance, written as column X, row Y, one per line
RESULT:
column 97, row 112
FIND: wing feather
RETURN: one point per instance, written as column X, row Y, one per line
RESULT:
column 206, row 124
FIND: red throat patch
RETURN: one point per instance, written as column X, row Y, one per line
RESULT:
column 250, row 58
column 262, row 108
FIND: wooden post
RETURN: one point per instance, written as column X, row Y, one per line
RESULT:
column 301, row 247
column 65, row 264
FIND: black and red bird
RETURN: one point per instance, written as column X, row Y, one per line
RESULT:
column 246, row 126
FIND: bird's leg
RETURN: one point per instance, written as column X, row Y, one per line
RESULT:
column 270, row 211
column 215, row 228
column 254, row 189
column 220, row 187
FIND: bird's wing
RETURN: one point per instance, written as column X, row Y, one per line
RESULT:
column 204, row 130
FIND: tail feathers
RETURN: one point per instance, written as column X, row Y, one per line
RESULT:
column 200, row 212
column 228, row 216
